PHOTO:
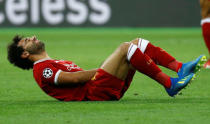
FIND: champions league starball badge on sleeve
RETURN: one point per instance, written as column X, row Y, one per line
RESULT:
column 47, row 73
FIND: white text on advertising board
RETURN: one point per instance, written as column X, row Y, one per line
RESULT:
column 54, row 12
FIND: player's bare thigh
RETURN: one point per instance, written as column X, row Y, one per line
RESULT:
column 117, row 64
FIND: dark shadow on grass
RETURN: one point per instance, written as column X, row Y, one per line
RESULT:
column 28, row 102
column 123, row 101
column 167, row 100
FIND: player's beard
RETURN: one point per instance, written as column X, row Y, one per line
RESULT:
column 36, row 48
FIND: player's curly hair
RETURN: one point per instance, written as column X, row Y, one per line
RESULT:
column 14, row 54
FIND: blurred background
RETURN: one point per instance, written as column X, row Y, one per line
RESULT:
column 99, row 13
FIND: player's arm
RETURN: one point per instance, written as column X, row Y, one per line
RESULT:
column 65, row 78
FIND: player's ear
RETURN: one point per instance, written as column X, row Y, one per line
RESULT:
column 25, row 54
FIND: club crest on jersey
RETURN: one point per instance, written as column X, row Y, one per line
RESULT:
column 47, row 73
column 71, row 66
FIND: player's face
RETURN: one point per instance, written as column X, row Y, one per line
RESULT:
column 32, row 45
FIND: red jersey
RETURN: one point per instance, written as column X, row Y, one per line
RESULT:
column 46, row 73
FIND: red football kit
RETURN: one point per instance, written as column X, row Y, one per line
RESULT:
column 103, row 86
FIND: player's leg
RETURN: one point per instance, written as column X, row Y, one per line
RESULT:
column 143, row 63
column 206, row 36
column 205, row 23
column 161, row 57
column 206, row 32
column 158, row 55
column 117, row 64
column 113, row 79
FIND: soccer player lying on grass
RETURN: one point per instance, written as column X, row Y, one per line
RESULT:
column 65, row 81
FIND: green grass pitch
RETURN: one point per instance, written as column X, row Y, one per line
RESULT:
column 146, row 102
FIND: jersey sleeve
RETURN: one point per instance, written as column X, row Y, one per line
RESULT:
column 50, row 74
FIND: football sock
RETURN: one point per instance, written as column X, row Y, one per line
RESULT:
column 175, row 65
column 160, row 56
column 144, row 64
column 206, row 31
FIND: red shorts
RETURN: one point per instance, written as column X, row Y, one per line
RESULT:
column 104, row 86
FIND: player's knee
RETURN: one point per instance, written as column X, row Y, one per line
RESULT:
column 135, row 41
column 124, row 46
